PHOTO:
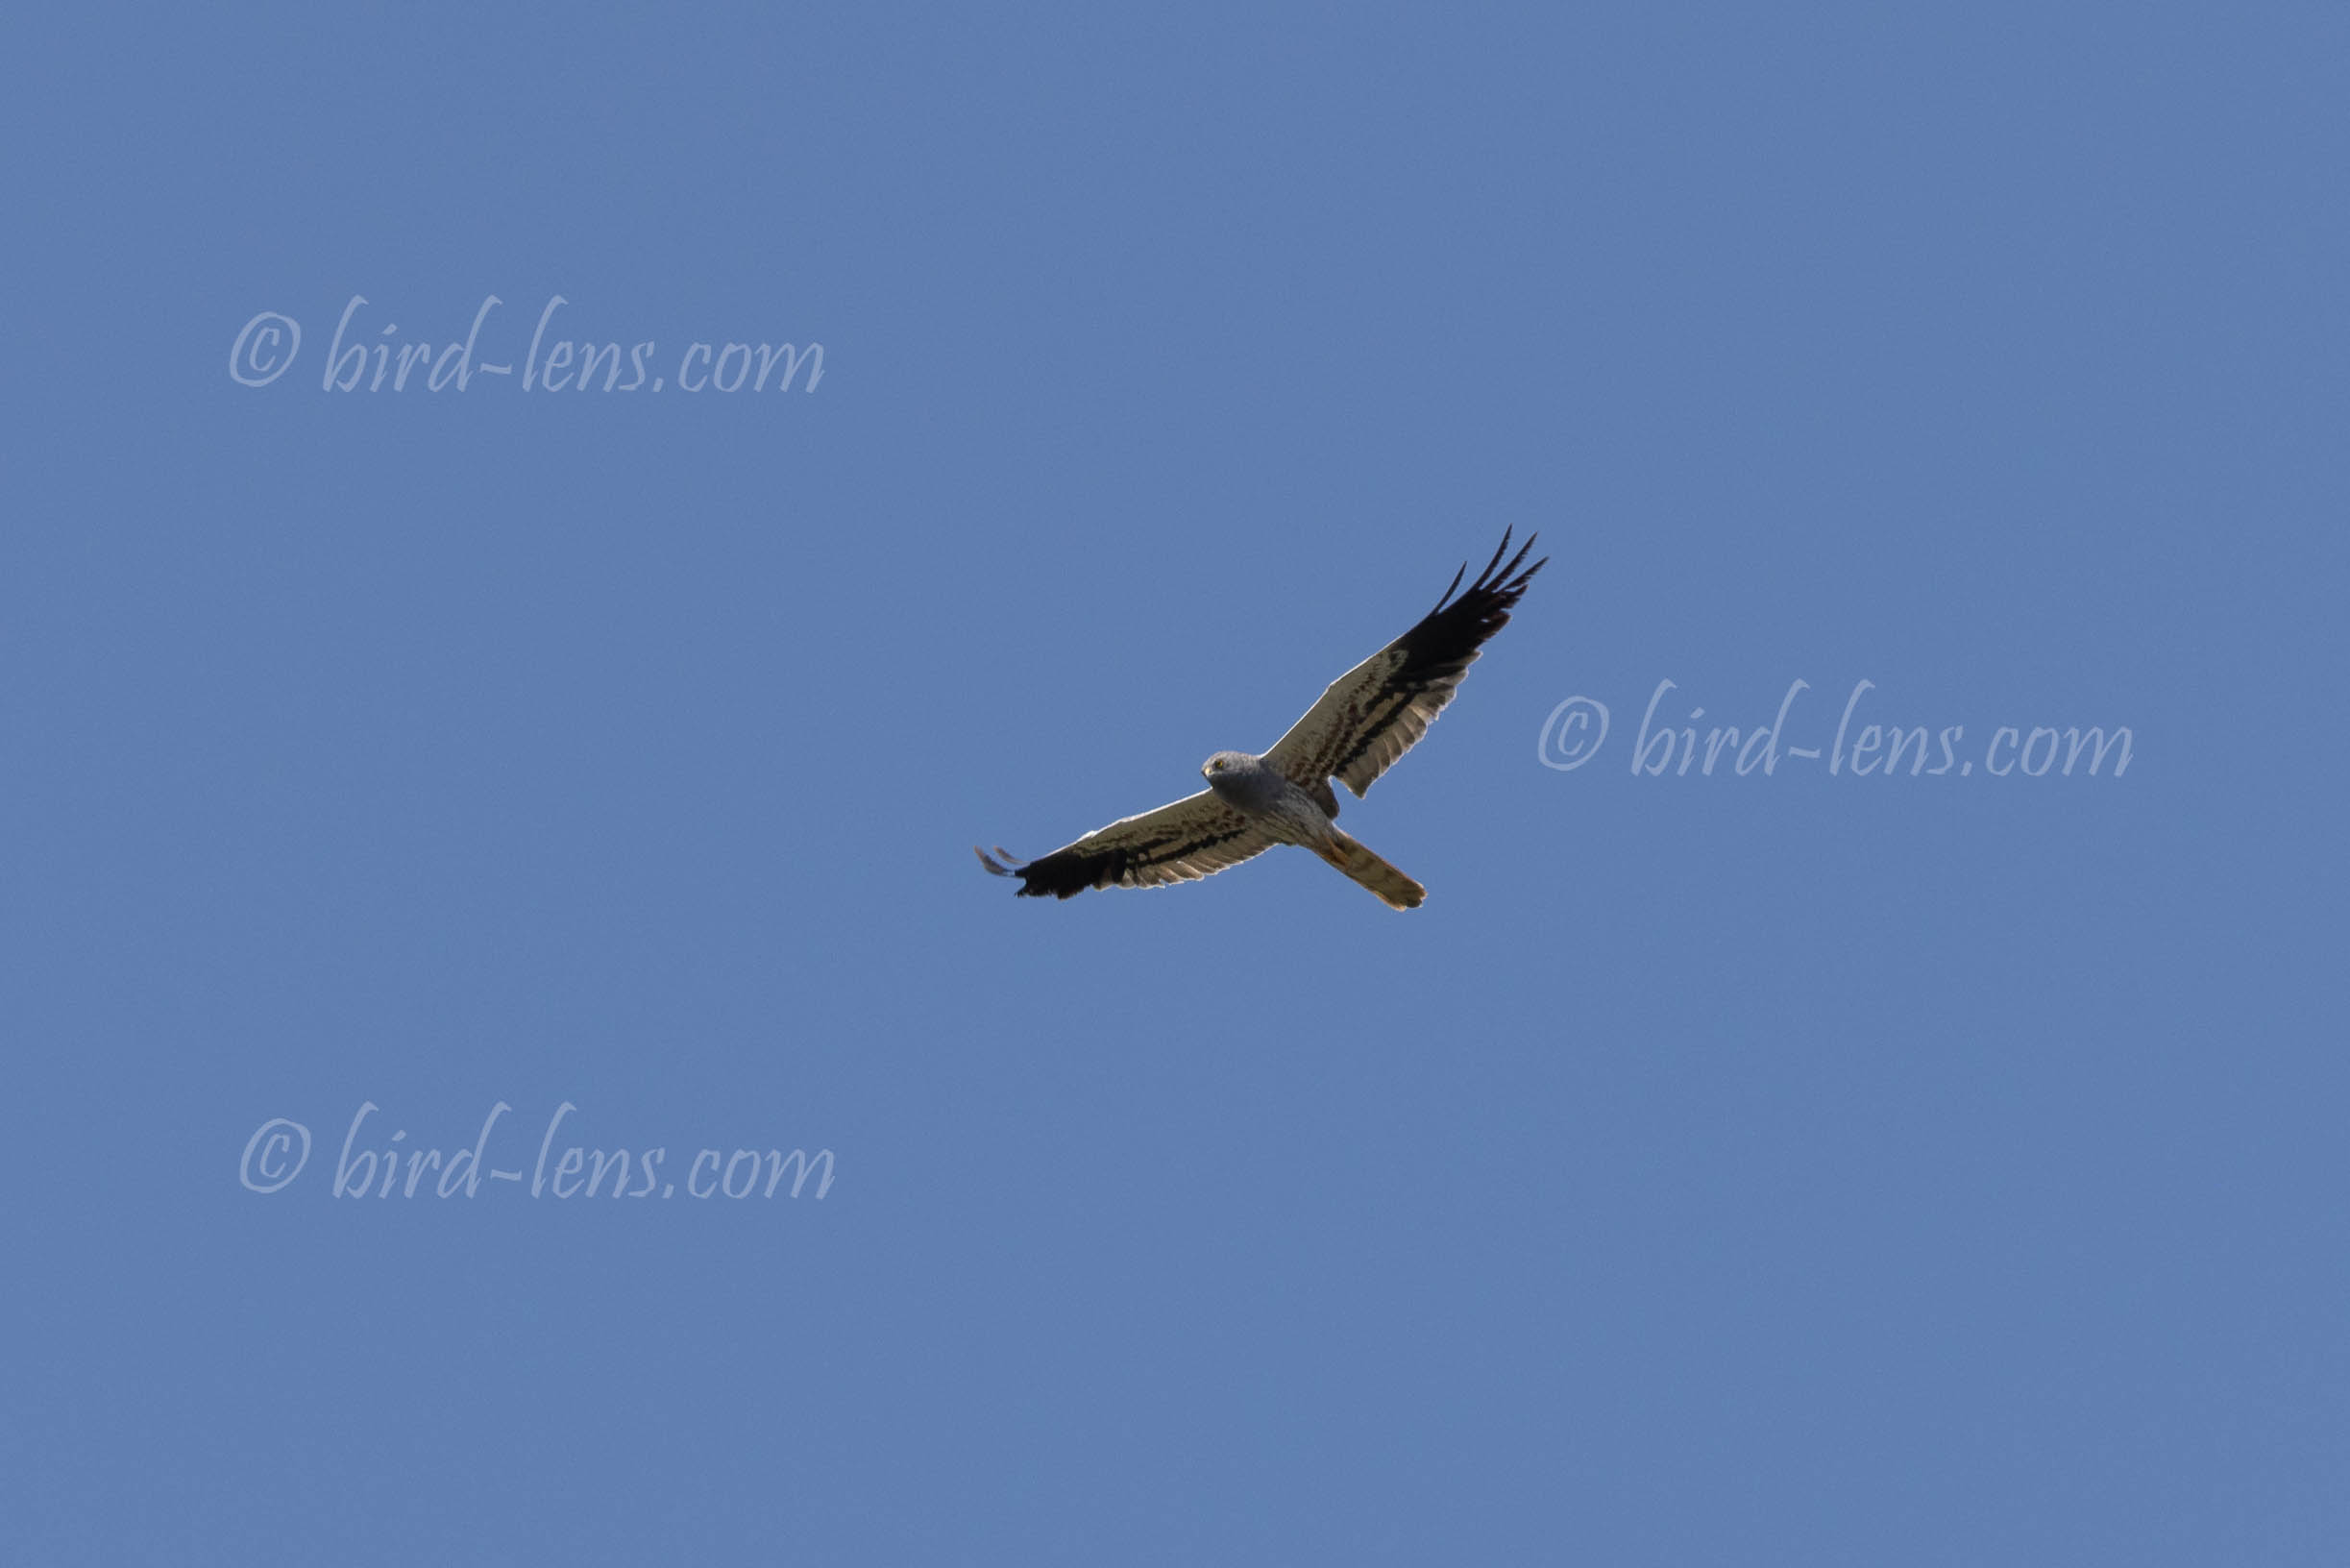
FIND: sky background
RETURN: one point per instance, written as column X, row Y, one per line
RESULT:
column 1786, row 1169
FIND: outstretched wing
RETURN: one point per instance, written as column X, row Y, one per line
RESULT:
column 1194, row 837
column 1378, row 710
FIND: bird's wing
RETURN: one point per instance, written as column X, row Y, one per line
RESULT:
column 1194, row 837
column 1378, row 710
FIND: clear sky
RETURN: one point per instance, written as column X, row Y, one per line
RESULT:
column 1796, row 1166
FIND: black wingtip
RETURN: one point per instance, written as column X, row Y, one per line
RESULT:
column 1511, row 574
column 1446, row 597
column 1484, row 577
column 1497, row 579
column 1496, row 576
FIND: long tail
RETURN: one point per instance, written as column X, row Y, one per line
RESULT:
column 1394, row 888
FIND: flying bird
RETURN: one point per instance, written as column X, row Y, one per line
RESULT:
column 1367, row 718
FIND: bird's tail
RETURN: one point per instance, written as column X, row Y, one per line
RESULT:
column 1394, row 888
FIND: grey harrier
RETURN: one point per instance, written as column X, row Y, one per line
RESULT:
column 1369, row 717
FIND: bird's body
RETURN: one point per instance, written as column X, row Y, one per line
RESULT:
column 1241, row 780
column 1367, row 719
column 1288, row 815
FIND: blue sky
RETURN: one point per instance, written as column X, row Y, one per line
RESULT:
column 1787, row 1167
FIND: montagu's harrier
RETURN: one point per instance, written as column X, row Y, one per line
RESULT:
column 1369, row 717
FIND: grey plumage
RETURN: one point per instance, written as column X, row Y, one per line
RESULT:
column 1288, row 815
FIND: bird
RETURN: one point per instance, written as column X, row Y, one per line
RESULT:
column 1362, row 722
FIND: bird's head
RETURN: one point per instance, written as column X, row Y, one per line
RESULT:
column 1223, row 762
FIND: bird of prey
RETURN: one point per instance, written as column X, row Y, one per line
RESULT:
column 1369, row 717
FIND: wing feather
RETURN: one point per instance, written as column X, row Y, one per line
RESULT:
column 1376, row 710
column 1197, row 836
